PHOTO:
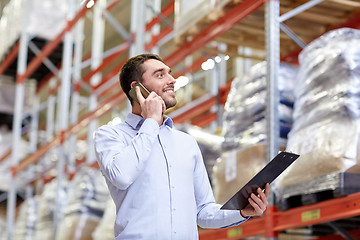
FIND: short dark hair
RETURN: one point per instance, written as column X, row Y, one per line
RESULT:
column 133, row 71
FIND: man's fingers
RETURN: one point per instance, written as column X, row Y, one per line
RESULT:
column 139, row 95
column 257, row 208
column 261, row 201
column 163, row 106
column 262, row 196
column 267, row 190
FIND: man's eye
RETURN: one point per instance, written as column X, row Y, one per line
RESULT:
column 160, row 75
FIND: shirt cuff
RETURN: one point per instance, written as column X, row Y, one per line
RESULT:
column 237, row 223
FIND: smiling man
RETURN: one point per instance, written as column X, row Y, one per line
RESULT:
column 155, row 174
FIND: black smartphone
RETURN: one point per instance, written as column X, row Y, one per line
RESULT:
column 143, row 90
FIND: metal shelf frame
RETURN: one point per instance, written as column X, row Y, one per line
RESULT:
column 273, row 220
column 326, row 211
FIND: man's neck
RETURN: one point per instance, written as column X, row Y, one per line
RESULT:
column 136, row 109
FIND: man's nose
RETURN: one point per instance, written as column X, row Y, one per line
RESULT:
column 172, row 80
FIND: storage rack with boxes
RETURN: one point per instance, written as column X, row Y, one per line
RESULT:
column 232, row 24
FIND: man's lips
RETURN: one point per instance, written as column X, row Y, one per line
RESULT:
column 169, row 89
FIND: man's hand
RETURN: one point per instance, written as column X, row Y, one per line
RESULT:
column 257, row 204
column 151, row 107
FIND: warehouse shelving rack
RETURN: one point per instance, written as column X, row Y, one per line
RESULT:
column 274, row 220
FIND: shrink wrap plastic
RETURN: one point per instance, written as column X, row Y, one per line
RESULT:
column 44, row 228
column 5, row 166
column 47, row 18
column 88, row 195
column 245, row 108
column 26, row 220
column 105, row 228
column 326, row 115
column 244, row 126
column 8, row 93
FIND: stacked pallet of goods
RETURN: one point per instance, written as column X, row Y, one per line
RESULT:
column 326, row 116
column 244, row 127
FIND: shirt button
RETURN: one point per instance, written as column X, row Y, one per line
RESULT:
column 172, row 186
column 174, row 209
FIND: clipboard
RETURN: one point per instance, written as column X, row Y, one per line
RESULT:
column 267, row 175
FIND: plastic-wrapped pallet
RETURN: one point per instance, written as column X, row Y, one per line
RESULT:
column 26, row 220
column 244, row 127
column 88, row 195
column 44, row 228
column 47, row 18
column 327, row 108
column 105, row 228
column 245, row 108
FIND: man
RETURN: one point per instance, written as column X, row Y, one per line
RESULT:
column 156, row 174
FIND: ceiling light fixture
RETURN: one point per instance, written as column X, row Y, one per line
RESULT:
column 181, row 82
column 90, row 4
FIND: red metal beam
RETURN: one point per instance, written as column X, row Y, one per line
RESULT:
column 156, row 38
column 49, row 47
column 191, row 69
column 116, row 70
column 218, row 27
column 355, row 234
column 326, row 211
column 125, row 47
column 165, row 12
column 5, row 156
column 9, row 58
column 82, row 123
column 200, row 109
column 107, row 61
column 45, row 81
column 109, row 76
column 252, row 227
column 322, row 212
column 112, row 4
column 195, row 111
column 205, row 119
column 353, row 22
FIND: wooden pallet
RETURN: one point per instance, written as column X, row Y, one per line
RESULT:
column 326, row 187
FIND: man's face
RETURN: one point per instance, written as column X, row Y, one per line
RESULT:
column 157, row 78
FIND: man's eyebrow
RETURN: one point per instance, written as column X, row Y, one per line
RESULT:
column 161, row 70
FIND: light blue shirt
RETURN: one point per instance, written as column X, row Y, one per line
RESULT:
column 157, row 179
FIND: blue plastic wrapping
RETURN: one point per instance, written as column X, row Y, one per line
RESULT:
column 245, row 108
column 329, row 78
column 326, row 126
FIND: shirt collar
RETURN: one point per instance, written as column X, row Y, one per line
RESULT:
column 135, row 121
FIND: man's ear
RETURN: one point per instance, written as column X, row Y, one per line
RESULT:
column 133, row 83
